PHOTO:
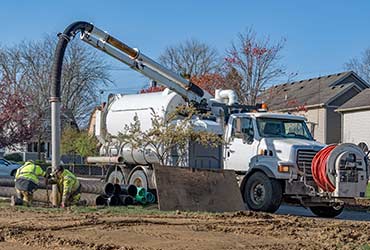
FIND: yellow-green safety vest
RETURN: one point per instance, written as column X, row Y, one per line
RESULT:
column 30, row 171
column 67, row 183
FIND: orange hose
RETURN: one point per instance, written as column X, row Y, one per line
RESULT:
column 318, row 168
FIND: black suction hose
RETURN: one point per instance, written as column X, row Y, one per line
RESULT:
column 64, row 39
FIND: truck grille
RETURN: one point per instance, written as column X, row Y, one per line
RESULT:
column 304, row 161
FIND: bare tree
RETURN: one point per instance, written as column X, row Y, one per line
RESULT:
column 84, row 71
column 255, row 63
column 360, row 65
column 28, row 65
column 191, row 58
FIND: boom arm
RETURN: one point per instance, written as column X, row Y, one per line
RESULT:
column 110, row 45
column 141, row 63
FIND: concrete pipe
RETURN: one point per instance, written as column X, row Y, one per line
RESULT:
column 91, row 187
column 41, row 195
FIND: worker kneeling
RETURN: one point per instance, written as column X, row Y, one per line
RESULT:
column 68, row 186
column 26, row 183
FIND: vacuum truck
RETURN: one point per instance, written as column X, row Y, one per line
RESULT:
column 274, row 156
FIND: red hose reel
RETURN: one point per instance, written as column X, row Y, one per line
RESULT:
column 319, row 169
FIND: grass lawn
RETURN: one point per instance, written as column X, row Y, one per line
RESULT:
column 123, row 210
column 40, row 207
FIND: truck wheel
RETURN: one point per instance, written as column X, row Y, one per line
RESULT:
column 139, row 179
column 327, row 212
column 262, row 193
column 115, row 176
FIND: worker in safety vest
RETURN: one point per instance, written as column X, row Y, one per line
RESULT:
column 68, row 186
column 26, row 183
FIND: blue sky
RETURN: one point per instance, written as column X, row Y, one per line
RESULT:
column 321, row 35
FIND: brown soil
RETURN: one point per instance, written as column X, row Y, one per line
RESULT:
column 48, row 229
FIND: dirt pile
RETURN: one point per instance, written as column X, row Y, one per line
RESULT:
column 50, row 229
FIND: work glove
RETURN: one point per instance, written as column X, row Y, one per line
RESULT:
column 48, row 172
column 64, row 202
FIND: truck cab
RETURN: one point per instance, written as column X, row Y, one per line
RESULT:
column 269, row 152
column 269, row 140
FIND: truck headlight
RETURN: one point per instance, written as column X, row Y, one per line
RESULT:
column 283, row 168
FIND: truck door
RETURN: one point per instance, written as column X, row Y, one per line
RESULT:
column 242, row 145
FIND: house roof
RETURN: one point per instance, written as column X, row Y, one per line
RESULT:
column 311, row 92
column 359, row 102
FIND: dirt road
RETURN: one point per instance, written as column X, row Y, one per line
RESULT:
column 139, row 229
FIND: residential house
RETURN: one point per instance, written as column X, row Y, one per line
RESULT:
column 30, row 149
column 356, row 120
column 92, row 120
column 316, row 99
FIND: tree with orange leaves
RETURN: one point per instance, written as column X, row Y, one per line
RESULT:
column 255, row 63
column 210, row 82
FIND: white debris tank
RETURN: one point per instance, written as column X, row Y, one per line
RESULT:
column 123, row 108
column 121, row 111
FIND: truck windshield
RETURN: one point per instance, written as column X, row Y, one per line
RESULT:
column 285, row 128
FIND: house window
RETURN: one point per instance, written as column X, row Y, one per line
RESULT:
column 311, row 126
column 29, row 147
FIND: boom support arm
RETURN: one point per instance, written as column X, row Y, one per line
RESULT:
column 141, row 63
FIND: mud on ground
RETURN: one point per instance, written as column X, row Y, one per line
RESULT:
column 138, row 229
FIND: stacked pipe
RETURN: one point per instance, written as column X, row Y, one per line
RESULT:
column 144, row 196
column 124, row 195
column 89, row 190
column 41, row 195
column 116, row 195
column 93, row 192
column 87, row 186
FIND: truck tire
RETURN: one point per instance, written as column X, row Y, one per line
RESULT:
column 327, row 212
column 115, row 176
column 262, row 193
column 139, row 179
